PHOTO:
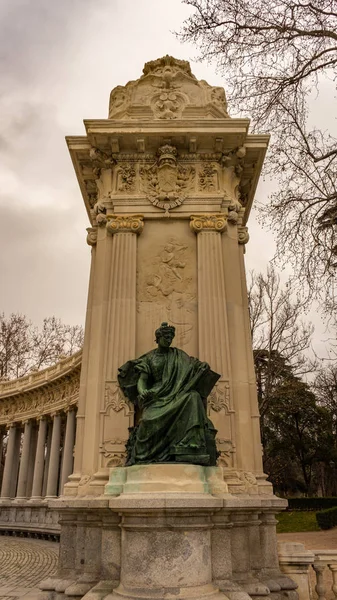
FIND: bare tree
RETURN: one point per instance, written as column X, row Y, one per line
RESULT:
column 24, row 347
column 281, row 339
column 273, row 55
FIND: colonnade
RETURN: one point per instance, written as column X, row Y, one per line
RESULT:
column 38, row 457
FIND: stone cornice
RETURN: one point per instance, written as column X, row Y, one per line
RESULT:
column 56, row 395
column 51, row 375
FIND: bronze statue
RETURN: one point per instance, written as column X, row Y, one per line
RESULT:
column 170, row 388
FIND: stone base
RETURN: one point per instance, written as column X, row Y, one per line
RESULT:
column 168, row 531
column 205, row 592
column 166, row 478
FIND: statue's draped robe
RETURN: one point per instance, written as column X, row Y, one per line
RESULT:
column 174, row 426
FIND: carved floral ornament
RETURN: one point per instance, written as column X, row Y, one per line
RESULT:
column 125, row 224
column 208, row 222
column 115, row 399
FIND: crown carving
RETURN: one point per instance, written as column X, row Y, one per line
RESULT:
column 167, row 152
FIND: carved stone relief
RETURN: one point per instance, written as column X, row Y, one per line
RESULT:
column 166, row 284
column 115, row 399
column 166, row 183
column 208, row 178
column 219, row 398
column 126, row 178
column 117, row 416
column 225, row 449
column 167, row 90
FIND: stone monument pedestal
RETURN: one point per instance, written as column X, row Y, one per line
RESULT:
column 168, row 181
column 168, row 531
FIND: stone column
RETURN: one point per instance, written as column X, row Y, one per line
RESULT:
column 110, row 342
column 68, row 448
column 213, row 345
column 213, row 326
column 122, row 321
column 47, row 458
column 2, row 433
column 31, row 465
column 39, row 460
column 24, row 463
column 54, row 462
column 10, row 461
column 75, row 477
column 247, row 435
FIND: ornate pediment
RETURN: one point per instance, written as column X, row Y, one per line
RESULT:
column 167, row 90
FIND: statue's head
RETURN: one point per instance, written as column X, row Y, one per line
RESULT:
column 165, row 334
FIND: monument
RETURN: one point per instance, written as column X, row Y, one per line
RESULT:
column 167, row 498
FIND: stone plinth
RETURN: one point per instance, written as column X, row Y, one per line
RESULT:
column 166, row 478
column 160, row 544
column 166, row 546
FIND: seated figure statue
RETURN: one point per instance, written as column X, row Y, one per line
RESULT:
column 170, row 388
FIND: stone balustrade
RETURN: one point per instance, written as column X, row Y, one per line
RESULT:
column 37, row 437
column 314, row 571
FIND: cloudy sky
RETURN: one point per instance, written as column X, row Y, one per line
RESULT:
column 59, row 62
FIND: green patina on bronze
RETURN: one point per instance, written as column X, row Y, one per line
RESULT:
column 170, row 388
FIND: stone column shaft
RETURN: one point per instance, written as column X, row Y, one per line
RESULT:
column 39, row 459
column 122, row 316
column 247, row 437
column 24, row 463
column 54, row 463
column 31, row 465
column 68, row 448
column 12, row 448
column 79, row 443
column 213, row 336
column 112, row 328
column 47, row 458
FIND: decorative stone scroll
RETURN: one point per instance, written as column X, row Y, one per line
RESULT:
column 243, row 235
column 125, row 224
column 208, row 222
column 92, row 236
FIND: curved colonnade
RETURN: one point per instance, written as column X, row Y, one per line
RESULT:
column 37, row 437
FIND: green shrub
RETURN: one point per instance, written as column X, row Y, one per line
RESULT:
column 311, row 503
column 327, row 519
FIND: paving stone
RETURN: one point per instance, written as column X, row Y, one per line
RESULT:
column 23, row 564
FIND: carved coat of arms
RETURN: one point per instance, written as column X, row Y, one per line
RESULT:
column 166, row 183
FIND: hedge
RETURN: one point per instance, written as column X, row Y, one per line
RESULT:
column 311, row 503
column 327, row 519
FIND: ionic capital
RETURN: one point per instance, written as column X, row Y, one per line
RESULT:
column 243, row 235
column 209, row 222
column 125, row 224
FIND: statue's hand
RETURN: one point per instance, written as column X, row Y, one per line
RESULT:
column 144, row 396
